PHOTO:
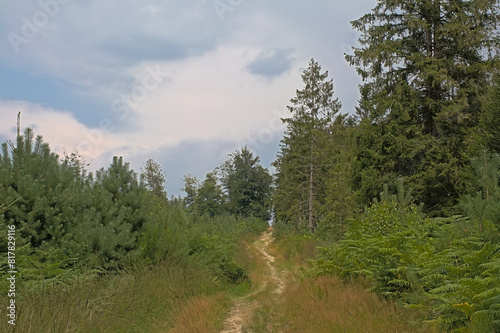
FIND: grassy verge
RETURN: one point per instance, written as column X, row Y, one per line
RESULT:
column 190, row 276
column 323, row 304
column 147, row 300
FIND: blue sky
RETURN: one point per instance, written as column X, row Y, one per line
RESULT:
column 184, row 82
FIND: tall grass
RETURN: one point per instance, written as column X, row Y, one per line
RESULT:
column 326, row 304
column 143, row 300
column 185, row 269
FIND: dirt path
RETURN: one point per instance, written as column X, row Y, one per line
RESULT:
column 270, row 282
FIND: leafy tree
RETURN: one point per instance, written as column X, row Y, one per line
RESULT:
column 191, row 185
column 425, row 65
column 154, row 178
column 247, row 184
column 300, row 164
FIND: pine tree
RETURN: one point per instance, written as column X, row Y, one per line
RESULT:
column 425, row 65
column 300, row 164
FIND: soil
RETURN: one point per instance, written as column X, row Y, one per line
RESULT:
column 270, row 282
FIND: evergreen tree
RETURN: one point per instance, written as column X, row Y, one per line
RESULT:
column 425, row 64
column 490, row 120
column 114, row 217
column 484, row 206
column 247, row 184
column 340, row 199
column 300, row 165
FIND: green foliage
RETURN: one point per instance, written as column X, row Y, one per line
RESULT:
column 154, row 178
column 210, row 198
column 300, row 165
column 425, row 66
column 490, row 119
column 445, row 266
column 176, row 236
column 484, row 207
column 247, row 184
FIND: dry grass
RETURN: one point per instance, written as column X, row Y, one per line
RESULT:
column 326, row 304
column 323, row 304
column 147, row 300
column 200, row 315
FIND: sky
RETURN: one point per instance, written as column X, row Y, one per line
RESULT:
column 184, row 82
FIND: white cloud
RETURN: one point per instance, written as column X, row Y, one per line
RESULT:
column 59, row 128
column 211, row 96
column 103, row 49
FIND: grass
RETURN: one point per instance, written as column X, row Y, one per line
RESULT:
column 185, row 296
column 323, row 304
column 143, row 300
column 326, row 304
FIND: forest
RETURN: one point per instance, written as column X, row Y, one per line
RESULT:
column 402, row 193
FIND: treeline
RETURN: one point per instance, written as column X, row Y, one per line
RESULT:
column 408, row 184
column 69, row 222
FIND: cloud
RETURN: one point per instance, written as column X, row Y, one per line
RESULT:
column 225, row 78
column 209, row 96
column 60, row 129
column 271, row 63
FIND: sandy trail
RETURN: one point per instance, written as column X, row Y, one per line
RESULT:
column 271, row 282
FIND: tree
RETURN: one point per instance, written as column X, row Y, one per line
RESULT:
column 425, row 64
column 191, row 185
column 340, row 198
column 247, row 184
column 490, row 120
column 300, row 164
column 210, row 197
column 154, row 178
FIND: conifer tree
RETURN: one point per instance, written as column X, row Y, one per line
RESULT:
column 191, row 185
column 425, row 65
column 340, row 198
column 247, row 185
column 490, row 120
column 300, row 164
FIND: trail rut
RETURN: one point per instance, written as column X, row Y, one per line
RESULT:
column 271, row 282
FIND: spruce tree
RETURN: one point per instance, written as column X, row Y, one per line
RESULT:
column 340, row 198
column 300, row 164
column 425, row 64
